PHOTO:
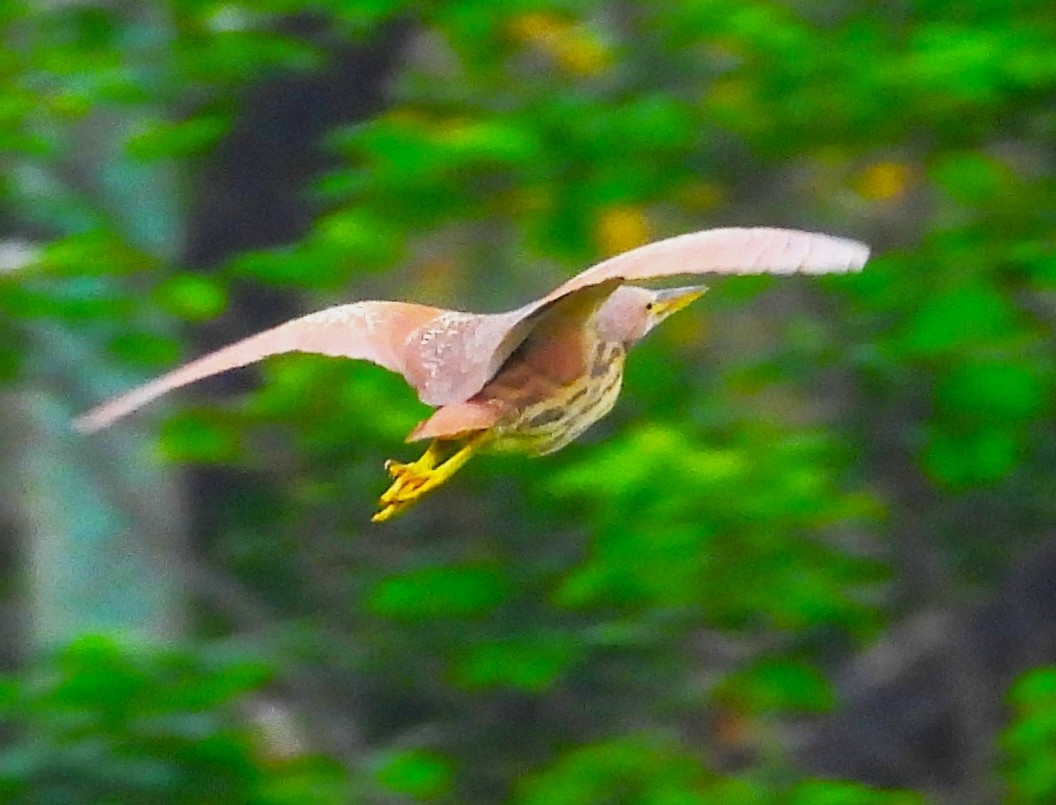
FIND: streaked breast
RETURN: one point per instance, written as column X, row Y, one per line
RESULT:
column 545, row 415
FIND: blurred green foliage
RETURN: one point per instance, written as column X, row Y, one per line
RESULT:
column 106, row 724
column 1030, row 740
column 557, row 631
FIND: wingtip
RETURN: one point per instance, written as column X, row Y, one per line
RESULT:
column 100, row 417
column 87, row 424
column 859, row 255
column 846, row 256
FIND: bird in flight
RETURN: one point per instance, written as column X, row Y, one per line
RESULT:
column 530, row 380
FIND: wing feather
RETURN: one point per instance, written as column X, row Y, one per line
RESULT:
column 712, row 251
column 371, row 331
column 732, row 250
column 448, row 356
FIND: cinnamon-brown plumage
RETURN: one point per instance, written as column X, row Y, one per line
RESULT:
column 529, row 380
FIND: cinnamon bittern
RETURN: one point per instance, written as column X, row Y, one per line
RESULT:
column 530, row 380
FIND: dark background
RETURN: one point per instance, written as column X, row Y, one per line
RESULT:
column 809, row 558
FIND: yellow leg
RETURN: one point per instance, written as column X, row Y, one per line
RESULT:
column 411, row 482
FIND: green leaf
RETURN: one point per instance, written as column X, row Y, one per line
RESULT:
column 417, row 773
column 489, row 141
column 964, row 457
column 776, row 685
column 171, row 140
column 527, row 662
column 971, row 178
column 356, row 239
column 319, row 780
column 826, row 792
column 994, row 390
column 452, row 591
column 194, row 297
column 1035, row 689
column 1029, row 743
column 11, row 358
column 628, row 768
column 145, row 349
column 964, row 316
column 189, row 438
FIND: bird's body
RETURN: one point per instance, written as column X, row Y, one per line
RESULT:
column 530, row 380
column 547, row 400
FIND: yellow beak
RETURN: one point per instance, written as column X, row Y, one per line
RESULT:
column 672, row 300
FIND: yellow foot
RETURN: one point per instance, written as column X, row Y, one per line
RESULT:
column 411, row 482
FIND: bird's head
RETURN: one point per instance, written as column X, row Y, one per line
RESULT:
column 631, row 312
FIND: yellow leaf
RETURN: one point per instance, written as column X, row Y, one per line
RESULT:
column 884, row 181
column 621, row 227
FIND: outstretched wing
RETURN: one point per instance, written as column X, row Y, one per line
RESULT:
column 448, row 356
column 714, row 251
column 371, row 331
column 733, row 250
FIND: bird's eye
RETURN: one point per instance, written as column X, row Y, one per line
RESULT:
column 648, row 305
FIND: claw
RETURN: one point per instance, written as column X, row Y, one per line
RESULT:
column 395, row 468
column 411, row 482
column 405, row 485
column 387, row 513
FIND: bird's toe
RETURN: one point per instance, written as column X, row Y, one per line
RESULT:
column 395, row 468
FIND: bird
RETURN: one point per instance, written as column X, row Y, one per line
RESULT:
column 529, row 380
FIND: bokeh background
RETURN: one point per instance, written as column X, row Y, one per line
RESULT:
column 810, row 557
